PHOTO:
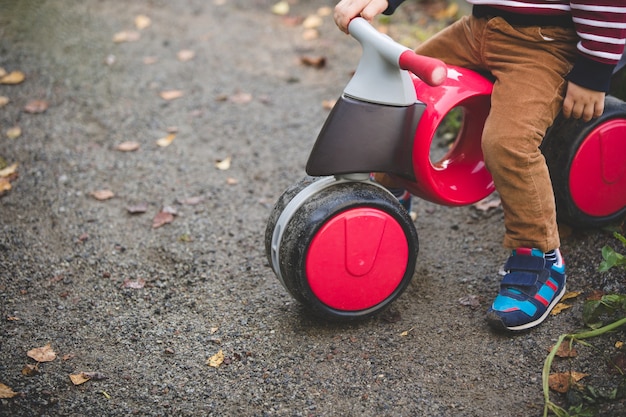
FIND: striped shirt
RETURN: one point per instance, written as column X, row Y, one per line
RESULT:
column 600, row 24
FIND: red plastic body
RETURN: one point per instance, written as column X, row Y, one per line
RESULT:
column 597, row 177
column 460, row 177
column 357, row 259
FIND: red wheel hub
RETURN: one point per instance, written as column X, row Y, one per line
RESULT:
column 597, row 177
column 357, row 259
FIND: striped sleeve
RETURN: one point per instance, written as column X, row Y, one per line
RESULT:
column 601, row 27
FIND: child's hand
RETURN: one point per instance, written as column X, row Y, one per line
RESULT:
column 582, row 103
column 346, row 10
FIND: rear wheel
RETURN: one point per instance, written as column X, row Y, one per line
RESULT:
column 347, row 250
column 587, row 163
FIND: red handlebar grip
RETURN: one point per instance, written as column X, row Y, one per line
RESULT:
column 430, row 70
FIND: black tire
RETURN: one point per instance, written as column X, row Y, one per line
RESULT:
column 307, row 221
column 560, row 147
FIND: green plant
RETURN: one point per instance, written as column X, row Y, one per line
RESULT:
column 611, row 257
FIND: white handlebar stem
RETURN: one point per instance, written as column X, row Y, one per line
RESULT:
column 378, row 77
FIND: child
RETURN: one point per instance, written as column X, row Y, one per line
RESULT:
column 546, row 56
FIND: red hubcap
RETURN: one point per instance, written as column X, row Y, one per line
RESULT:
column 357, row 259
column 598, row 173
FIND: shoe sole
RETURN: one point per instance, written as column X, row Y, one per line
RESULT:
column 498, row 322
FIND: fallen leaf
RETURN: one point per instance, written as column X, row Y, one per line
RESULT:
column 42, row 354
column 488, row 203
column 149, row 60
column 471, row 301
column 224, row 164
column 310, row 34
column 596, row 295
column 185, row 55
column 162, row 218
column 241, row 98
column 14, row 132
column 36, row 106
column 565, row 351
column 128, row 146
column 191, row 201
column 171, row 94
column 166, row 141
column 142, row 22
column 561, row 382
column 13, row 318
column 102, row 195
column 4, row 100
column 619, row 344
column 447, row 13
column 12, row 78
column 281, row 8
column 571, row 294
column 328, row 104
column 406, row 332
column 137, row 208
column 325, row 11
column 134, row 284
column 6, row 392
column 8, row 171
column 126, row 36
column 559, row 308
column 79, row 378
column 5, row 185
column 312, row 22
column 313, row 61
column 68, row 356
column 216, row 360
column 30, row 369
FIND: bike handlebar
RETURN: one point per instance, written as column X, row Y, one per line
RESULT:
column 430, row 70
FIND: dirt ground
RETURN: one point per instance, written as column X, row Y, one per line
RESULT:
column 144, row 308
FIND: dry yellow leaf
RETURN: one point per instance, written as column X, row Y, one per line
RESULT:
column 6, row 391
column 14, row 77
column 167, row 140
column 126, row 36
column 570, row 295
column 102, row 195
column 171, row 94
column 128, row 146
column 42, row 354
column 281, row 8
column 8, row 171
column 559, row 308
column 14, row 132
column 619, row 344
column 224, row 164
column 325, row 11
column 4, row 100
column 142, row 22
column 79, row 378
column 312, row 22
column 216, row 360
column 185, row 55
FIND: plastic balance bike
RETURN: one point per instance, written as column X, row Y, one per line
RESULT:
column 344, row 247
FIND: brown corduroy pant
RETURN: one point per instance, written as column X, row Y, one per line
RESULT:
column 529, row 64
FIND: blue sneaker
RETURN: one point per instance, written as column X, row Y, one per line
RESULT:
column 532, row 286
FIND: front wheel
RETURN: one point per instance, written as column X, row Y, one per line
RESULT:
column 344, row 249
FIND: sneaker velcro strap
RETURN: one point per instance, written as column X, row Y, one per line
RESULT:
column 525, row 263
column 519, row 279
